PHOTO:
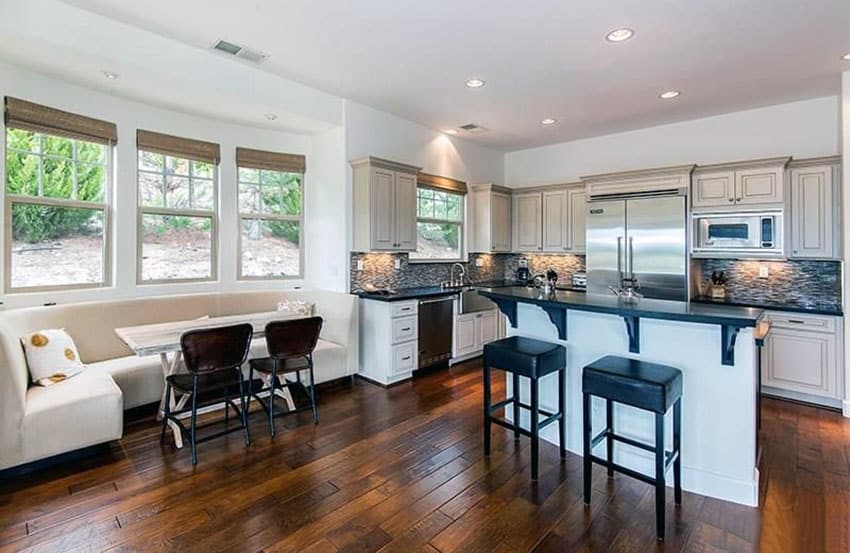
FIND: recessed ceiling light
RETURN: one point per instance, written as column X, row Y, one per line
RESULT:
column 271, row 116
column 548, row 121
column 450, row 131
column 110, row 75
column 846, row 57
column 669, row 94
column 620, row 35
column 475, row 83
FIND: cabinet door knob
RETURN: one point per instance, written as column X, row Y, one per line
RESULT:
column 731, row 200
column 737, row 199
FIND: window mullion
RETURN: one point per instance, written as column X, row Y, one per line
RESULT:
column 74, row 183
column 41, row 165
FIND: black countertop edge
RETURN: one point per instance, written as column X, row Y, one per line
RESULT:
column 773, row 306
column 693, row 312
column 421, row 292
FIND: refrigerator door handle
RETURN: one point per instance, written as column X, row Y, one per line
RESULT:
column 631, row 259
column 620, row 273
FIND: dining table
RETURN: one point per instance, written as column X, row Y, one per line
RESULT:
column 163, row 339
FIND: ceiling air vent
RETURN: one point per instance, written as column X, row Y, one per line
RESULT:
column 254, row 56
column 473, row 128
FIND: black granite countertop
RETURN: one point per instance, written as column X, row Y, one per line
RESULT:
column 813, row 307
column 646, row 308
column 421, row 292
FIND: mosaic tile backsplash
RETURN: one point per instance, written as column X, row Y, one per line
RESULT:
column 812, row 284
column 379, row 269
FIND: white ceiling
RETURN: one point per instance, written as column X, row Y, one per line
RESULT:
column 540, row 59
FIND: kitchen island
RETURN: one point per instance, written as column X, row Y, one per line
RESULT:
column 715, row 347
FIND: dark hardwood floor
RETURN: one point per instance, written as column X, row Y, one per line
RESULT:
column 402, row 470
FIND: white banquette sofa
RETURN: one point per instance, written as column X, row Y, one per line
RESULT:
column 38, row 422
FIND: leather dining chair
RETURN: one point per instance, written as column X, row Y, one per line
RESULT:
column 290, row 345
column 213, row 358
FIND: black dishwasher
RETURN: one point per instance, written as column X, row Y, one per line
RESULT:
column 436, row 319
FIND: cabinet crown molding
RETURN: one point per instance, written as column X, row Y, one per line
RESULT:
column 812, row 161
column 384, row 164
column 750, row 164
column 546, row 187
column 489, row 187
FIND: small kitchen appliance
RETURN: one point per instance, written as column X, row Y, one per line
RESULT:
column 523, row 275
column 757, row 234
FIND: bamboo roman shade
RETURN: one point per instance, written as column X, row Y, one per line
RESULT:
column 441, row 183
column 177, row 146
column 273, row 161
column 29, row 116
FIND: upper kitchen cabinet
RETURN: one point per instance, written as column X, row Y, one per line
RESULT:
column 741, row 185
column 527, row 223
column 563, row 219
column 491, row 207
column 384, row 205
column 813, row 208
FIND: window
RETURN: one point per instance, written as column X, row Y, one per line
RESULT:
column 270, row 221
column 177, row 201
column 57, row 210
column 439, row 225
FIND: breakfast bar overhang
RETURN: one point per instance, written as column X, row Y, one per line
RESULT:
column 714, row 346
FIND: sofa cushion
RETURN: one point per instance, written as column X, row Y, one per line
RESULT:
column 140, row 378
column 72, row 414
column 51, row 356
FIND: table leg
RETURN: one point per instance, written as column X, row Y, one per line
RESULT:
column 170, row 367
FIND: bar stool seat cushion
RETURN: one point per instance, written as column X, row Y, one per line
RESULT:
column 649, row 386
column 525, row 356
column 182, row 382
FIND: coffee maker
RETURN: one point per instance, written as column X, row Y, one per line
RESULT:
column 523, row 275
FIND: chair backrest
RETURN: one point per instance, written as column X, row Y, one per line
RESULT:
column 293, row 338
column 214, row 349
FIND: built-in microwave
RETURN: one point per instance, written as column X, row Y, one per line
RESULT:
column 740, row 233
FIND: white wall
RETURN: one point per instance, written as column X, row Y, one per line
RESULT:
column 801, row 129
column 845, row 179
column 129, row 116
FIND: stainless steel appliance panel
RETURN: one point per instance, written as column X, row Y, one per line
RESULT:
column 606, row 233
column 656, row 246
column 436, row 321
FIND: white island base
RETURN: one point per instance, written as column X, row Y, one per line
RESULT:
column 719, row 441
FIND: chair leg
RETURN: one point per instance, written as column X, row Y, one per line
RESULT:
column 243, row 403
column 313, row 395
column 226, row 407
column 586, row 435
column 486, row 410
column 194, row 420
column 609, row 442
column 562, row 409
column 677, row 448
column 272, row 386
column 166, row 412
column 660, row 487
column 250, row 387
column 535, row 428
column 516, row 405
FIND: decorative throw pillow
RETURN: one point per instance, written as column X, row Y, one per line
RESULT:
column 51, row 356
column 295, row 308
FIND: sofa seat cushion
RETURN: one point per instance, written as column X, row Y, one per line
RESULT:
column 328, row 358
column 140, row 378
column 72, row 414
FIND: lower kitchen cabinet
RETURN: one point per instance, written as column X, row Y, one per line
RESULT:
column 389, row 340
column 472, row 331
column 803, row 358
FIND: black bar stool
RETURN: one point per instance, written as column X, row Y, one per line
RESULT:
column 532, row 359
column 643, row 385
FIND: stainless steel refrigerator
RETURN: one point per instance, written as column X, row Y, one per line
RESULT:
column 644, row 238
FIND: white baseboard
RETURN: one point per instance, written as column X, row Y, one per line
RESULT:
column 845, row 409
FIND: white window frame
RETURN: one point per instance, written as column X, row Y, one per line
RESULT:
column 252, row 216
column 105, row 207
column 462, row 258
column 143, row 210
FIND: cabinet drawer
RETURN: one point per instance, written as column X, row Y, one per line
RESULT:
column 404, row 358
column 805, row 322
column 405, row 328
column 403, row 308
